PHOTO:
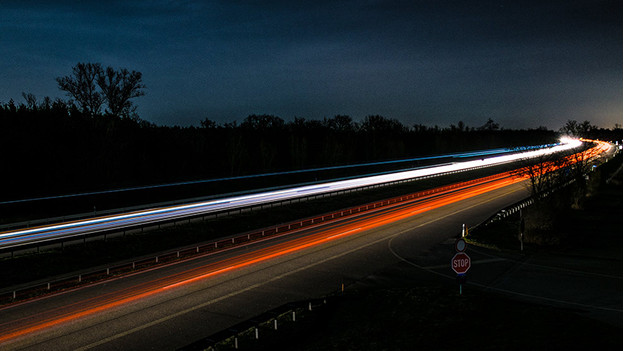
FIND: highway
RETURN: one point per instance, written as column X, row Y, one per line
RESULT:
column 16, row 238
column 169, row 306
column 173, row 305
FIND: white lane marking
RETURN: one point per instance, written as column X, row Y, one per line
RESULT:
column 344, row 233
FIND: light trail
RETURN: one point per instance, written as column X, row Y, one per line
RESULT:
column 16, row 238
column 311, row 237
column 10, row 330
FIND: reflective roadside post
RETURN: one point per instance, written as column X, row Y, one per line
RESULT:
column 521, row 231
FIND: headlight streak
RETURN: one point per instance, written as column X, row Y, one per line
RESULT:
column 114, row 222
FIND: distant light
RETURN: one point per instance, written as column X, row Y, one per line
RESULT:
column 571, row 141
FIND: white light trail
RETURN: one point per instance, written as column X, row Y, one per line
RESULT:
column 151, row 216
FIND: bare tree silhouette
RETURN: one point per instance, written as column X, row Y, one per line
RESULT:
column 81, row 85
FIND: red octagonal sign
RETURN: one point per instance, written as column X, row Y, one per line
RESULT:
column 460, row 263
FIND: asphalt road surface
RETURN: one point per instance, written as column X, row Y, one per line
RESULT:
column 137, row 316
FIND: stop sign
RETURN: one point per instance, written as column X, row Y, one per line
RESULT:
column 460, row 263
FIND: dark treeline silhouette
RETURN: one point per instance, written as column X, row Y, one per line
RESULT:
column 56, row 147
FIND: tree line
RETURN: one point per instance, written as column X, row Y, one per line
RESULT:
column 64, row 146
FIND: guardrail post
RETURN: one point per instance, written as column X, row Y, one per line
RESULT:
column 257, row 336
column 294, row 315
column 275, row 324
column 236, row 342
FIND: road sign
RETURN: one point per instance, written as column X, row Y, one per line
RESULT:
column 460, row 245
column 460, row 263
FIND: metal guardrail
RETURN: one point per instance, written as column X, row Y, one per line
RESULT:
column 247, row 334
column 59, row 283
column 85, row 215
column 228, row 212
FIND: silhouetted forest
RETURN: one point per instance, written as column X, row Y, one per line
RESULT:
column 53, row 147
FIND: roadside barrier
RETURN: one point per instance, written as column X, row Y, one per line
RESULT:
column 246, row 334
column 40, row 222
column 27, row 291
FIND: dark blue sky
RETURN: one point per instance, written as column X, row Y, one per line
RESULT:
column 522, row 63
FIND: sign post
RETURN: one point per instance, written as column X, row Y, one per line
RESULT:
column 460, row 263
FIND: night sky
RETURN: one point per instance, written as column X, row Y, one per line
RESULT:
column 522, row 63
